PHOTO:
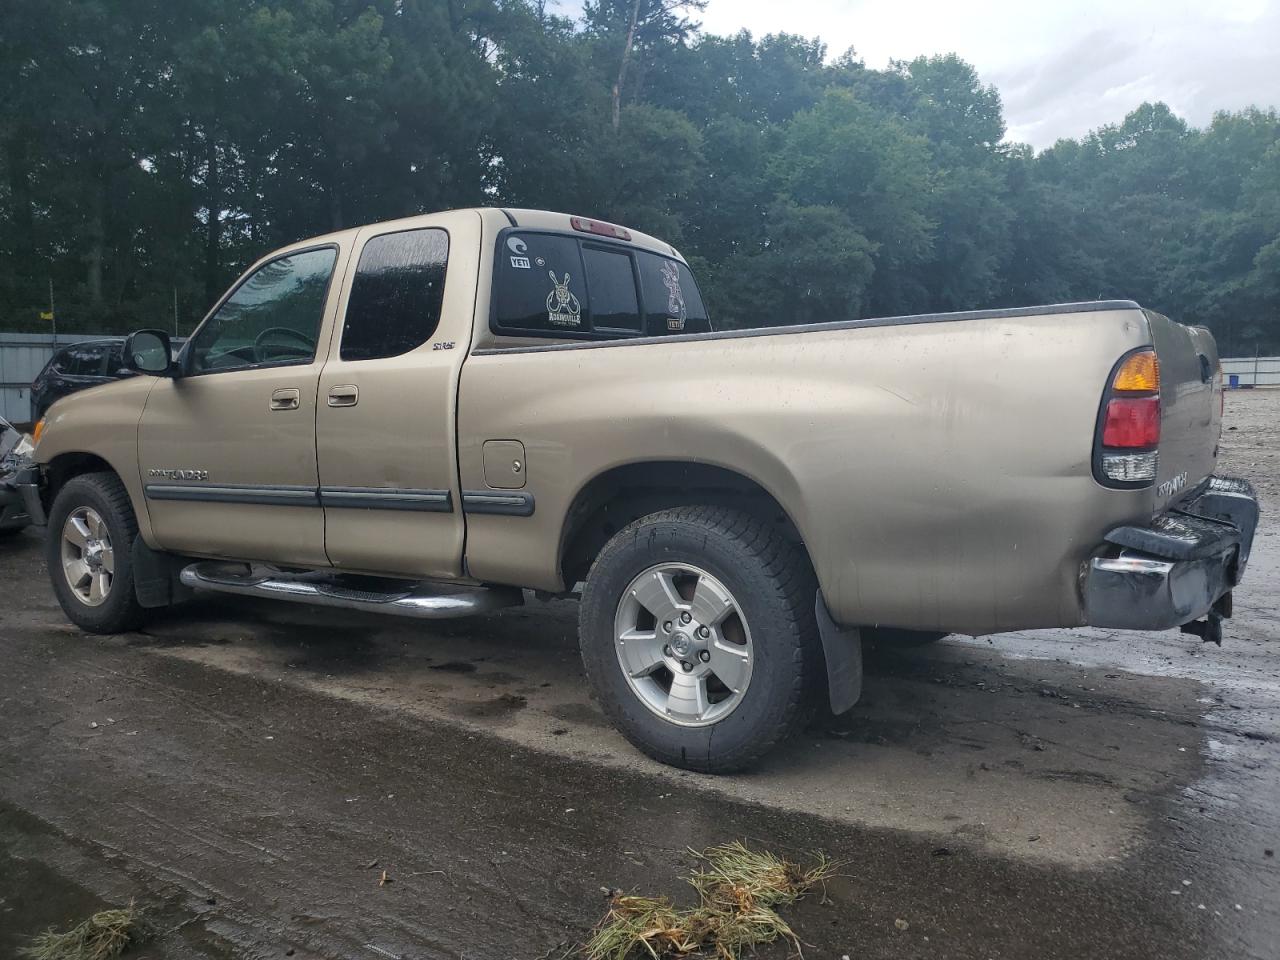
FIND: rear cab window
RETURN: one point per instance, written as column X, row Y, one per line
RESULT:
column 562, row 286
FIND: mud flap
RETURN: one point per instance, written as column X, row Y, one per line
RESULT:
column 843, row 649
column 155, row 576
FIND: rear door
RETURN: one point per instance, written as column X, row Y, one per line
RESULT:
column 385, row 426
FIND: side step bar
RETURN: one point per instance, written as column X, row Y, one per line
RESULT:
column 421, row 599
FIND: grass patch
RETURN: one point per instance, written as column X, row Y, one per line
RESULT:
column 739, row 893
column 104, row 936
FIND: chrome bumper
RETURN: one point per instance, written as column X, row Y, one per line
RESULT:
column 1178, row 568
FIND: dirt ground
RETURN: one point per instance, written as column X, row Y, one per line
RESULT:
column 247, row 771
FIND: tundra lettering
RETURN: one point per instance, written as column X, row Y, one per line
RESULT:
column 178, row 474
column 1171, row 486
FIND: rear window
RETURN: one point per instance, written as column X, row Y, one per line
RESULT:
column 562, row 286
column 82, row 360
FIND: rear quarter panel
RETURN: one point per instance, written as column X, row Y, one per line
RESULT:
column 939, row 472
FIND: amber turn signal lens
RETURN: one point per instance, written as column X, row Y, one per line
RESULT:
column 37, row 430
column 1139, row 374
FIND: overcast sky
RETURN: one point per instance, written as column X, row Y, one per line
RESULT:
column 1062, row 67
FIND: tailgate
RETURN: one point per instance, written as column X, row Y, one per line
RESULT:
column 1190, row 405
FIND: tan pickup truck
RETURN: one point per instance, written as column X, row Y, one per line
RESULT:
column 429, row 416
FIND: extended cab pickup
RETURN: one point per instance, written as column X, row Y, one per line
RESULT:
column 428, row 416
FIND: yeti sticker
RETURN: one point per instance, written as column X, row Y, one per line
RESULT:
column 675, row 297
column 563, row 309
column 518, row 249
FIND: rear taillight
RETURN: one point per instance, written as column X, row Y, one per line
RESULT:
column 1132, row 422
column 1129, row 425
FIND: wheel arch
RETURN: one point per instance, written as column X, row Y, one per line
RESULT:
column 66, row 465
column 623, row 493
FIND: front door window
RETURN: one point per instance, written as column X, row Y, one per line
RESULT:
column 271, row 319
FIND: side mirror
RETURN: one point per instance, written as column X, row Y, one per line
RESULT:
column 147, row 351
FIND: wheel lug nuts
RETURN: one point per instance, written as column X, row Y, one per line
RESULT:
column 704, row 656
column 686, row 617
column 686, row 666
column 703, row 632
column 666, row 651
column 666, row 627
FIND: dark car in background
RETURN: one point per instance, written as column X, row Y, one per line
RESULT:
column 79, row 366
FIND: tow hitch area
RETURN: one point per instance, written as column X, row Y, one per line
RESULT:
column 1210, row 628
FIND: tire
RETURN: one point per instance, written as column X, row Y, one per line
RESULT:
column 771, row 587
column 105, row 602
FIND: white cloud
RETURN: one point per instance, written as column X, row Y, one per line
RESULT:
column 1062, row 68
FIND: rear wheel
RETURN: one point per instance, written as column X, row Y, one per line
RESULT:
column 91, row 530
column 697, row 631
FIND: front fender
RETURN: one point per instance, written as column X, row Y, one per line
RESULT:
column 102, row 423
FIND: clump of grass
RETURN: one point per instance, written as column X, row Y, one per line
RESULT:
column 738, row 890
column 104, row 936
column 650, row 923
column 739, row 877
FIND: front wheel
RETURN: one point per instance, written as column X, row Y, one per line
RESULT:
column 91, row 530
column 698, row 634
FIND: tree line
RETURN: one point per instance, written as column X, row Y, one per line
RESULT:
column 150, row 149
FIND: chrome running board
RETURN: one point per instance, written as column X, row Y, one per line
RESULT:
column 422, row 599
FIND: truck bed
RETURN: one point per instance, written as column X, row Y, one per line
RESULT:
column 937, row 467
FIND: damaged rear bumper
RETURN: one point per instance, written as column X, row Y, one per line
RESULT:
column 1176, row 569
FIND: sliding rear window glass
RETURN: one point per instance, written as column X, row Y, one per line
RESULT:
column 611, row 285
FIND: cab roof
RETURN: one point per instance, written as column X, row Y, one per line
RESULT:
column 500, row 217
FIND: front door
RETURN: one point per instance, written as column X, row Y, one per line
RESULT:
column 385, row 428
column 228, row 450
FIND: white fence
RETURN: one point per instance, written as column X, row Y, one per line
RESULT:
column 1251, row 372
column 22, row 356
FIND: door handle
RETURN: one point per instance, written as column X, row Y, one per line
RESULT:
column 285, row 399
column 344, row 395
